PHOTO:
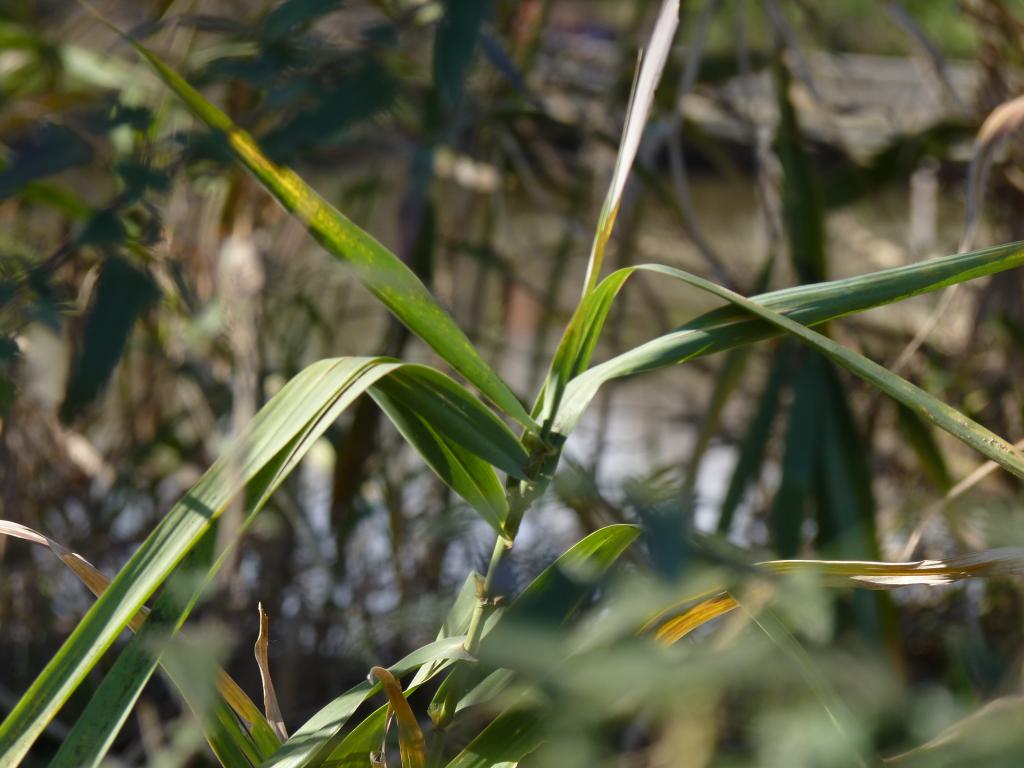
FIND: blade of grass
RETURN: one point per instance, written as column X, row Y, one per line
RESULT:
column 652, row 63
column 178, row 533
column 263, row 739
column 801, row 459
column 277, row 438
column 729, row 327
column 578, row 339
column 509, row 738
column 381, row 271
column 315, row 740
column 98, row 725
column 925, row 405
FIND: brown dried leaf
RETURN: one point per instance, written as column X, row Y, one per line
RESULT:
column 411, row 743
column 270, row 705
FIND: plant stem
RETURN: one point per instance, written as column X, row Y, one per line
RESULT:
column 484, row 599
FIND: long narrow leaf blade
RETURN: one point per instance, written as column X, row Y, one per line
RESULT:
column 179, row 531
column 729, row 327
column 919, row 401
column 279, row 435
column 312, row 742
column 383, row 273
column 264, row 739
column 411, row 743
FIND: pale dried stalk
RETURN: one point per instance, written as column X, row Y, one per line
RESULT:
column 270, row 705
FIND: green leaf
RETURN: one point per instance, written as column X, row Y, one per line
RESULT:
column 383, row 273
column 317, row 738
column 224, row 726
column 800, row 463
column 509, row 738
column 580, row 335
column 729, row 327
column 454, row 44
column 919, row 401
column 552, row 596
column 468, row 475
column 803, row 208
column 462, row 418
column 267, row 450
column 924, row 445
column 319, row 388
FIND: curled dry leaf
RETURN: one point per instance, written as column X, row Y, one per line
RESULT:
column 270, row 705
column 849, row 573
column 97, row 582
column 411, row 743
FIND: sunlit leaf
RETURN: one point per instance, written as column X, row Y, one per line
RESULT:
column 383, row 273
column 268, row 449
column 809, row 305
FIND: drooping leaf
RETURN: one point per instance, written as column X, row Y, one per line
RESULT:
column 315, row 740
column 924, row 404
column 262, row 740
column 267, row 450
column 271, row 708
column 410, row 737
column 363, row 738
column 467, row 474
column 725, row 328
column 377, row 268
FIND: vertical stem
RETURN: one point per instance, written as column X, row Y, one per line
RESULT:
column 484, row 599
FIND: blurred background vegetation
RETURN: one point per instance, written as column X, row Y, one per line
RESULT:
column 152, row 297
